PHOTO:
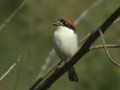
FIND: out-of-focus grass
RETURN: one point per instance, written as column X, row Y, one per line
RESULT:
column 31, row 30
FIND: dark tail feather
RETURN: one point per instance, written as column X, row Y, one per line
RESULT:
column 72, row 75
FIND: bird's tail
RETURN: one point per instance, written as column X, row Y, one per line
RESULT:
column 72, row 75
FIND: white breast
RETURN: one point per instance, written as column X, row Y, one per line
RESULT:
column 65, row 42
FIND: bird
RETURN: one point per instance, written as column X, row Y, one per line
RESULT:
column 65, row 43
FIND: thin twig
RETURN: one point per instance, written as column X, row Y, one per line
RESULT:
column 11, row 67
column 117, row 20
column 44, row 75
column 84, row 38
column 101, row 46
column 47, row 61
column 97, row 2
column 106, row 50
column 50, row 69
column 12, row 15
column 17, row 77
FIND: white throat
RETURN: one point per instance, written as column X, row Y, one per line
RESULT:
column 64, row 29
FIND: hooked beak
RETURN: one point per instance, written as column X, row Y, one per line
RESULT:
column 58, row 23
column 55, row 24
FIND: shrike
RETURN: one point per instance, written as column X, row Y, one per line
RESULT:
column 66, row 43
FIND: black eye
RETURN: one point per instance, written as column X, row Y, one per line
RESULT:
column 66, row 23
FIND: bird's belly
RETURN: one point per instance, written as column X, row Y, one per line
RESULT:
column 65, row 46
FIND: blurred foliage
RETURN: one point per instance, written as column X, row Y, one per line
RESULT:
column 31, row 31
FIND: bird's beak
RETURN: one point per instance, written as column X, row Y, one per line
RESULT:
column 58, row 23
column 55, row 24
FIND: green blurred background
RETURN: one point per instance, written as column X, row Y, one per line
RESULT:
column 30, row 32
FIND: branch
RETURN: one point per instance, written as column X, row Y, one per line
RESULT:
column 117, row 20
column 9, row 70
column 82, row 51
column 44, row 75
column 17, row 77
column 45, row 65
column 102, row 46
column 12, row 15
column 85, row 38
column 107, row 52
column 97, row 2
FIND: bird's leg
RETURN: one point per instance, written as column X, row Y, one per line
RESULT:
column 58, row 66
column 66, row 60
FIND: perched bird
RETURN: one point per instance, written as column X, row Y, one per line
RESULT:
column 65, row 42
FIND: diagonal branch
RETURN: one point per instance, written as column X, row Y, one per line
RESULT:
column 12, row 15
column 82, row 51
column 107, row 52
column 44, row 75
column 56, row 64
column 17, row 77
column 102, row 46
column 11, row 67
column 46, row 63
column 97, row 2
column 84, row 38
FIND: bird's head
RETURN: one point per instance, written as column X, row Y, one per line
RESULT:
column 66, row 23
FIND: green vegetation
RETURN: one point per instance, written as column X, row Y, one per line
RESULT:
column 31, row 31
